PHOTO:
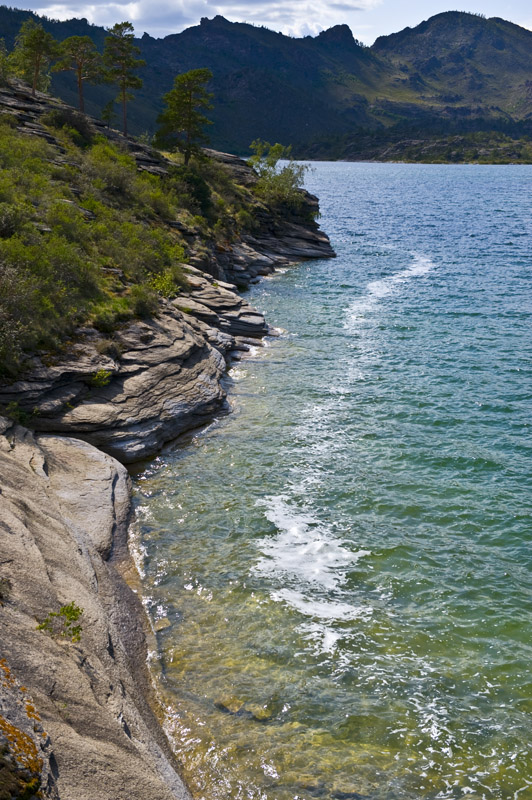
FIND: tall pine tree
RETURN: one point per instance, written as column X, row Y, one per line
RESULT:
column 34, row 50
column 181, row 123
column 120, row 57
column 79, row 55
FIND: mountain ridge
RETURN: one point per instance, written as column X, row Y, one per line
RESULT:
column 455, row 72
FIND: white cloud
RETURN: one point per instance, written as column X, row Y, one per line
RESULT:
column 161, row 17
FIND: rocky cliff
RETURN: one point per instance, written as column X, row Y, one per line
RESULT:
column 76, row 718
column 162, row 375
column 164, row 379
column 74, row 715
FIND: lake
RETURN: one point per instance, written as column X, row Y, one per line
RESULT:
column 339, row 572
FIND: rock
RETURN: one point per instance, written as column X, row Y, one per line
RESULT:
column 167, row 381
column 229, row 704
column 161, row 624
column 84, row 711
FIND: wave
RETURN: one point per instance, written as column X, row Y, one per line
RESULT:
column 304, row 552
column 376, row 290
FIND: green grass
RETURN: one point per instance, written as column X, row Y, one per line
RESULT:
column 84, row 237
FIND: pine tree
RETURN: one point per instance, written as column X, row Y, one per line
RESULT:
column 119, row 56
column 34, row 50
column 79, row 55
column 182, row 123
column 107, row 113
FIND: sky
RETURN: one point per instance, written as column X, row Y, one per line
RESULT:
column 366, row 18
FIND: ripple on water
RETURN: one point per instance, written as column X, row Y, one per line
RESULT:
column 339, row 571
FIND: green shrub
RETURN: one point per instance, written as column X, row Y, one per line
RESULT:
column 77, row 126
column 62, row 622
column 278, row 186
column 5, row 67
column 101, row 378
column 111, row 169
column 12, row 218
column 68, row 221
column 245, row 220
column 109, row 347
column 189, row 185
column 170, row 282
column 145, row 301
column 61, row 267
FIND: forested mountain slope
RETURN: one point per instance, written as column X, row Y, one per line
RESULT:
column 454, row 73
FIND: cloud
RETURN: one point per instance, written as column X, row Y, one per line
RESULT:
column 161, row 17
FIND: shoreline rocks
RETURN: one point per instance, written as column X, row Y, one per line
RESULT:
column 77, row 714
column 78, row 710
column 166, row 380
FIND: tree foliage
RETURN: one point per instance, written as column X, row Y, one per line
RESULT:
column 120, row 57
column 5, row 67
column 278, row 185
column 35, row 49
column 182, row 122
column 79, row 55
column 107, row 114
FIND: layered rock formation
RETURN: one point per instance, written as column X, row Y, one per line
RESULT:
column 164, row 378
column 73, row 714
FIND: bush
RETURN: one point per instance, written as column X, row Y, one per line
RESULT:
column 12, row 218
column 61, row 267
column 245, row 220
column 189, row 184
column 77, row 125
column 5, row 67
column 170, row 282
column 61, row 623
column 101, row 378
column 278, row 186
column 145, row 301
column 109, row 347
column 111, row 169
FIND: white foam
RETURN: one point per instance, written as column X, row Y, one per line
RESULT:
column 304, row 551
column 324, row 638
column 329, row 610
column 376, row 290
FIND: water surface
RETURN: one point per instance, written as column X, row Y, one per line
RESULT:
column 339, row 571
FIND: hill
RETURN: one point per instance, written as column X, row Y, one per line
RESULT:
column 454, row 73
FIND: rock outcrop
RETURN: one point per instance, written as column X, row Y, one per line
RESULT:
column 164, row 377
column 74, row 714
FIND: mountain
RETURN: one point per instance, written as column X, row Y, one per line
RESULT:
column 465, row 60
column 454, row 73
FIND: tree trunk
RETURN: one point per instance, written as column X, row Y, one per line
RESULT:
column 187, row 132
column 36, row 75
column 80, row 90
column 124, row 109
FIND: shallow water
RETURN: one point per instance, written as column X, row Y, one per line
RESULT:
column 339, row 571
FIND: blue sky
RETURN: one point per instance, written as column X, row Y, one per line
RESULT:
column 366, row 18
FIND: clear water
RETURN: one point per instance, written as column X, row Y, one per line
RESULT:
column 340, row 571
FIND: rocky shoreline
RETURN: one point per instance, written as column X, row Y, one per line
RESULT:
column 77, row 713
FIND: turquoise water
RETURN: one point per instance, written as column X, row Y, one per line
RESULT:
column 340, row 571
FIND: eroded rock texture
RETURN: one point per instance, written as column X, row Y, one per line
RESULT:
column 72, row 713
column 166, row 380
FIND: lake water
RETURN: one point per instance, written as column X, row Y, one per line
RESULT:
column 340, row 571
